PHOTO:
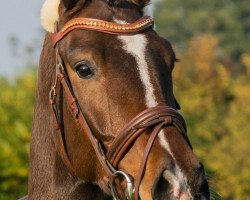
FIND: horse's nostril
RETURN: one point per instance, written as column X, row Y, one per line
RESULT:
column 162, row 189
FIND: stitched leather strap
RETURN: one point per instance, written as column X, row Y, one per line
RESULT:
column 156, row 117
column 138, row 125
column 103, row 26
column 76, row 110
column 143, row 164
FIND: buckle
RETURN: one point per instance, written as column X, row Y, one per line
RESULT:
column 52, row 95
column 129, row 193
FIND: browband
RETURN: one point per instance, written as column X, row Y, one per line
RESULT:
column 103, row 26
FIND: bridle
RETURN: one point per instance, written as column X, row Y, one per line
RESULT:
column 152, row 118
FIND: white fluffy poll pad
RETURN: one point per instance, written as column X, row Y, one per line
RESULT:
column 49, row 14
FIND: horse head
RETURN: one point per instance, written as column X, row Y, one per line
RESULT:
column 114, row 77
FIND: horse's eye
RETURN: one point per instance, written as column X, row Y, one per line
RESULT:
column 83, row 70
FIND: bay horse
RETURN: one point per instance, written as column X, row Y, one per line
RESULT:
column 106, row 124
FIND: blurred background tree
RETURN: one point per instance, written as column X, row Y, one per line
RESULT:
column 16, row 110
column 228, row 20
column 16, row 113
column 212, row 39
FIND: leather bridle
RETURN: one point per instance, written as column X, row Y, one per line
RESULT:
column 150, row 119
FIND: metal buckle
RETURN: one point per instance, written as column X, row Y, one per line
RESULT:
column 52, row 94
column 129, row 188
column 60, row 67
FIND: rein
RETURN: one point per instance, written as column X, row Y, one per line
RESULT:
column 154, row 118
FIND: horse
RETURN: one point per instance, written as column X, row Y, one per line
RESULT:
column 106, row 123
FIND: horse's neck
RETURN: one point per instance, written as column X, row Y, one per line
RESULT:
column 49, row 178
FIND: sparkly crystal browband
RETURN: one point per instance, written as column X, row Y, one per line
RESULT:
column 103, row 26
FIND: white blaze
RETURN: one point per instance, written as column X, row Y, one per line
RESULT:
column 136, row 46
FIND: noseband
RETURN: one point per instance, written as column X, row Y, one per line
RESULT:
column 153, row 119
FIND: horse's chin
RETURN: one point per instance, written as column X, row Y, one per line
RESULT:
column 103, row 185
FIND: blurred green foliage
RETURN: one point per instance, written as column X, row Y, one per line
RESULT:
column 215, row 105
column 229, row 20
column 16, row 111
column 211, row 82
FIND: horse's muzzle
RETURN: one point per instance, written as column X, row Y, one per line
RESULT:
column 170, row 188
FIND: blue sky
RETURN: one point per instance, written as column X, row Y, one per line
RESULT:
column 19, row 18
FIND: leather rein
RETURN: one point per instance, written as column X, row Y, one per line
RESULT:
column 150, row 119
